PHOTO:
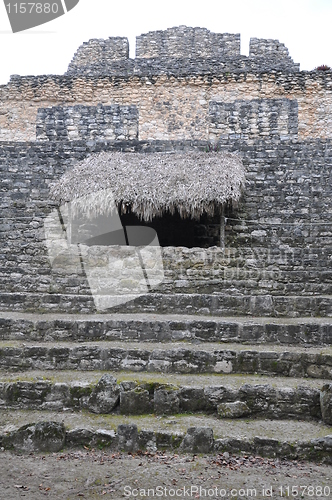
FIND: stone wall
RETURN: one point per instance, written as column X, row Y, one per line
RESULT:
column 278, row 239
column 268, row 49
column 108, row 396
column 241, row 119
column 170, row 107
column 87, row 123
column 248, row 119
column 179, row 50
column 94, row 56
column 184, row 42
column 111, row 49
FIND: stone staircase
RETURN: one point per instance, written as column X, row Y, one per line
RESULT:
column 215, row 304
column 186, row 372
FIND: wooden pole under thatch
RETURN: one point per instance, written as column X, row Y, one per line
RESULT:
column 222, row 228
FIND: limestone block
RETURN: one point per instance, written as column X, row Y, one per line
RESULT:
column 326, row 403
column 58, row 397
column 79, row 437
column 105, row 396
column 166, row 400
column 215, row 395
column 147, row 440
column 166, row 440
column 127, row 437
column 135, row 402
column 43, row 436
column 237, row 409
column 193, row 399
column 198, row 440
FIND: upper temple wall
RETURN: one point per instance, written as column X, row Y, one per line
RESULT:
column 179, row 50
column 213, row 93
column 112, row 49
column 184, row 42
column 165, row 107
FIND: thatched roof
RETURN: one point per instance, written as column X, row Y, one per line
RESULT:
column 151, row 184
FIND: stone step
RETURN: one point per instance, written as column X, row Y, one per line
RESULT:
column 260, row 282
column 196, row 259
column 253, row 281
column 29, row 431
column 149, row 327
column 229, row 303
column 124, row 393
column 174, row 357
column 233, row 381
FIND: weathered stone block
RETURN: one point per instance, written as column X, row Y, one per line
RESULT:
column 168, row 440
column 104, row 438
column 147, row 440
column 193, row 399
column 43, row 436
column 237, row 409
column 127, row 437
column 135, row 402
column 58, row 398
column 326, row 403
column 258, row 398
column 80, row 393
column 198, row 440
column 266, row 446
column 79, row 437
column 215, row 395
column 105, row 396
column 20, row 393
column 166, row 400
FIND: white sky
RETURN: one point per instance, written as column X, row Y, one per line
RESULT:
column 304, row 26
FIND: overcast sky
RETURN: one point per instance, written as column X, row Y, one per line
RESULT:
column 304, row 26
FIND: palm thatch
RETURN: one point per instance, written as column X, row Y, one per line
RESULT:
column 150, row 184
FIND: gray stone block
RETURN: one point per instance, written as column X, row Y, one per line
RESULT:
column 258, row 398
column 18, row 393
column 135, row 402
column 198, row 440
column 127, row 437
column 79, row 437
column 166, row 400
column 237, row 409
column 233, row 445
column 80, row 393
column 193, row 399
column 168, row 440
column 104, row 438
column 265, row 446
column 58, row 398
column 215, row 395
column 326, row 403
column 147, row 440
column 42, row 436
column 105, row 396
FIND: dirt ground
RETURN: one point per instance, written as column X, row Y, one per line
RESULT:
column 93, row 474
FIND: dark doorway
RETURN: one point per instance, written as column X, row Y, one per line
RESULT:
column 172, row 230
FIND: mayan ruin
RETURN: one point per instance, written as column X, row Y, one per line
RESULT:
column 166, row 250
